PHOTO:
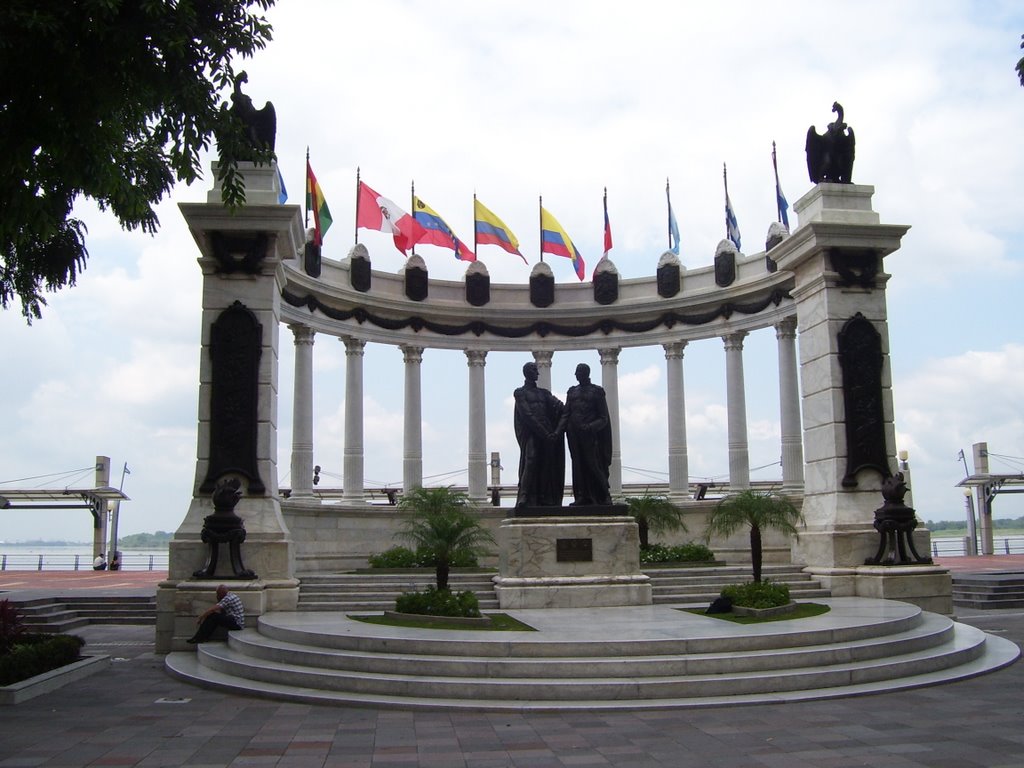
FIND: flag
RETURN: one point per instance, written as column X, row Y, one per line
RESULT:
column 282, row 196
column 607, row 227
column 732, row 227
column 373, row 211
column 673, row 226
column 315, row 202
column 554, row 240
column 437, row 231
column 490, row 230
column 781, row 204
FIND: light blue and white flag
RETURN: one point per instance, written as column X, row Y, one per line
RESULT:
column 673, row 225
column 732, row 227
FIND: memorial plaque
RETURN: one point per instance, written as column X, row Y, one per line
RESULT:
column 574, row 550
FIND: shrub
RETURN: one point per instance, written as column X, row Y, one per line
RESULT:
column 11, row 625
column 691, row 552
column 439, row 602
column 403, row 557
column 396, row 557
column 757, row 594
column 35, row 654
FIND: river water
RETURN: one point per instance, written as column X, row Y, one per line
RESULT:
column 74, row 557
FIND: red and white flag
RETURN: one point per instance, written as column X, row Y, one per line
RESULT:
column 376, row 212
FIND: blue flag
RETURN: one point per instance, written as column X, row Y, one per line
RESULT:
column 673, row 225
column 732, row 227
column 282, row 198
column 783, row 205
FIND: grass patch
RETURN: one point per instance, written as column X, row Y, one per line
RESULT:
column 500, row 622
column 803, row 611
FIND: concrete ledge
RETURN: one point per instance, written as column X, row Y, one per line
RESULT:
column 52, row 680
column 764, row 613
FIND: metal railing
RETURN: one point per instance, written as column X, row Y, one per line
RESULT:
column 956, row 546
column 33, row 561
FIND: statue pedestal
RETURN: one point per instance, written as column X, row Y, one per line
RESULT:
column 570, row 561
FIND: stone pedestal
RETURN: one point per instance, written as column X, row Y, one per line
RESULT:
column 570, row 562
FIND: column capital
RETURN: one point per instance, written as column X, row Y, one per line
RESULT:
column 476, row 357
column 734, row 341
column 609, row 355
column 353, row 346
column 303, row 333
column 543, row 357
column 786, row 329
column 674, row 349
column 411, row 354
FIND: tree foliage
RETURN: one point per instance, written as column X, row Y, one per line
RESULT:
column 758, row 512
column 440, row 526
column 1020, row 64
column 111, row 100
column 654, row 514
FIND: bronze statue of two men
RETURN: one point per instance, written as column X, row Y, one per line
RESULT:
column 541, row 420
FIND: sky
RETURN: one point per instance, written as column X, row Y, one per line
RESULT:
column 512, row 101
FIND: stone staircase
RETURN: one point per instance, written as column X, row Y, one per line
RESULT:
column 988, row 590
column 595, row 658
column 61, row 614
column 373, row 590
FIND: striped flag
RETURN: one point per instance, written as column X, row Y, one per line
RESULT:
column 555, row 240
column 315, row 202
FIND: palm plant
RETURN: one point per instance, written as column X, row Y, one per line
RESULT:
column 759, row 512
column 440, row 526
column 654, row 514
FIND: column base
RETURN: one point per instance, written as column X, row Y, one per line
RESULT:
column 926, row 586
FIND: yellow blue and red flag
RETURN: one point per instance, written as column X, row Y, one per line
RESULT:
column 554, row 240
column 490, row 230
column 437, row 231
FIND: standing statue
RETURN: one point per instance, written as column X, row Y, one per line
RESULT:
column 588, row 425
column 830, row 156
column 541, row 449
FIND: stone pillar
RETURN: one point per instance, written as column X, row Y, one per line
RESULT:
column 477, row 455
column 678, row 466
column 543, row 360
column 241, row 256
column 736, row 405
column 412, row 453
column 302, row 414
column 610, row 382
column 789, row 407
column 101, row 511
column 353, row 492
column 836, row 256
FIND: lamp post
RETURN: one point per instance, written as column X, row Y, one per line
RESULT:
column 972, row 534
column 904, row 464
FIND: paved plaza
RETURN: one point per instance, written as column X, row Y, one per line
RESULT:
column 134, row 714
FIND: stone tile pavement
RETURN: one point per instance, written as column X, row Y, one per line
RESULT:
column 133, row 714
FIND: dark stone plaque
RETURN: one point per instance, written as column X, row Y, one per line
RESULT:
column 236, row 340
column 606, row 288
column 542, row 290
column 478, row 289
column 359, row 273
column 860, row 358
column 725, row 268
column 416, row 282
column 574, row 550
column 668, row 280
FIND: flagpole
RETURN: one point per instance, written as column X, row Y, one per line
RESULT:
column 412, row 207
column 725, row 182
column 668, row 202
column 540, row 222
column 476, row 245
column 775, row 167
column 306, row 224
column 606, row 219
column 357, row 204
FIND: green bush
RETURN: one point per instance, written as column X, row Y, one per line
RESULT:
column 439, row 602
column 757, row 594
column 35, row 654
column 691, row 552
column 403, row 557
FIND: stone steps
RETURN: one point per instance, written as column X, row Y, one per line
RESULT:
column 603, row 658
column 64, row 613
column 377, row 590
column 988, row 590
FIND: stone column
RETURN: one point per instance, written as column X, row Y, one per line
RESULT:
column 610, row 382
column 789, row 407
column 736, row 405
column 678, row 466
column 543, row 360
column 353, row 491
column 477, row 455
column 302, row 414
column 412, row 455
column 242, row 253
